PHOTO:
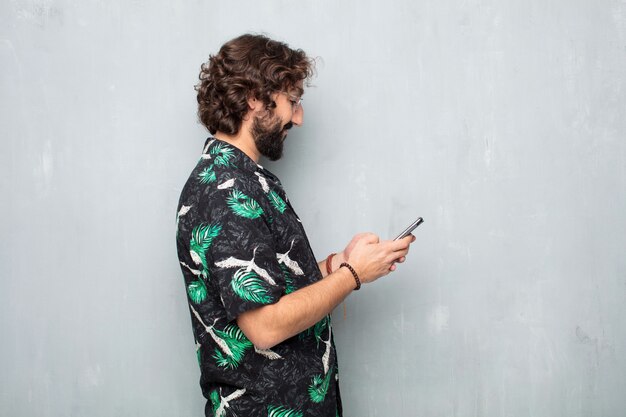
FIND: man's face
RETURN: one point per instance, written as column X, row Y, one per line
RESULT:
column 269, row 129
column 269, row 135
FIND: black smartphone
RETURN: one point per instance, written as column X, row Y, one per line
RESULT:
column 409, row 229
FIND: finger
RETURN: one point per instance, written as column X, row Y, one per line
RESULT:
column 392, row 257
column 401, row 244
column 407, row 240
column 398, row 249
column 399, row 256
column 410, row 239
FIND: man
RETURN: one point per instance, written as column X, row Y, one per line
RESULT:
column 260, row 303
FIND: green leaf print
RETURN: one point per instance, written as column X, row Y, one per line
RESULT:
column 319, row 328
column 222, row 154
column 197, row 291
column 244, row 206
column 289, row 284
column 319, row 387
column 248, row 286
column 215, row 400
column 278, row 203
column 207, row 175
column 201, row 238
column 280, row 411
column 220, row 404
column 237, row 343
column 231, row 342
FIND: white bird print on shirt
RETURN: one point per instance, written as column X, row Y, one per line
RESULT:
column 221, row 410
column 326, row 357
column 268, row 353
column 284, row 258
column 226, row 184
column 233, row 262
column 218, row 340
column 205, row 151
column 263, row 182
column 183, row 210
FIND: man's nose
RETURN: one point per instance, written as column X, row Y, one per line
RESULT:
column 297, row 117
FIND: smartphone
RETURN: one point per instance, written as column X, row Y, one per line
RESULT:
column 409, row 229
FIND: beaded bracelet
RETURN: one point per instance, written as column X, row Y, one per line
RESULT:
column 356, row 276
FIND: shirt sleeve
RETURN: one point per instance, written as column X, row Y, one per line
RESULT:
column 242, row 263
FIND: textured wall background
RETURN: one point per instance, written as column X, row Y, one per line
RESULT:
column 501, row 123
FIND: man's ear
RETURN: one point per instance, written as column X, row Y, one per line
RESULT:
column 254, row 104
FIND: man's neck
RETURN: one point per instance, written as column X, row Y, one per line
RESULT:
column 242, row 141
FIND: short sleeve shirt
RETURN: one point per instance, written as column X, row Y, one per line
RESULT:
column 241, row 246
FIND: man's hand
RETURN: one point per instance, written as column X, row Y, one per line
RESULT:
column 345, row 254
column 373, row 259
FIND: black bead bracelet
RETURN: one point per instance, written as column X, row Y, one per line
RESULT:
column 356, row 276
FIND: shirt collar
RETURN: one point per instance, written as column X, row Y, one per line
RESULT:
column 239, row 159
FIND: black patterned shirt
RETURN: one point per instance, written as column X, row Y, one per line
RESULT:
column 241, row 246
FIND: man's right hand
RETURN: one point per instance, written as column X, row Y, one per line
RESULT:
column 372, row 258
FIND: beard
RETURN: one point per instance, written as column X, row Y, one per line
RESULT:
column 269, row 136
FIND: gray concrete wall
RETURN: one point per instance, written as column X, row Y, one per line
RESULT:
column 501, row 123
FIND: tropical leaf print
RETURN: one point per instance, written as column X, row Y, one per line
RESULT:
column 319, row 387
column 201, row 238
column 222, row 154
column 243, row 206
column 248, row 286
column 207, row 175
column 280, row 411
column 250, row 265
column 237, row 343
column 219, row 404
column 197, row 291
column 215, row 400
column 289, row 284
column 231, row 342
column 221, row 157
column 319, row 328
column 278, row 203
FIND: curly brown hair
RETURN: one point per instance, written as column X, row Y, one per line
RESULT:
column 247, row 66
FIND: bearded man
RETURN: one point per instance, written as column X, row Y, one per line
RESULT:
column 260, row 303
